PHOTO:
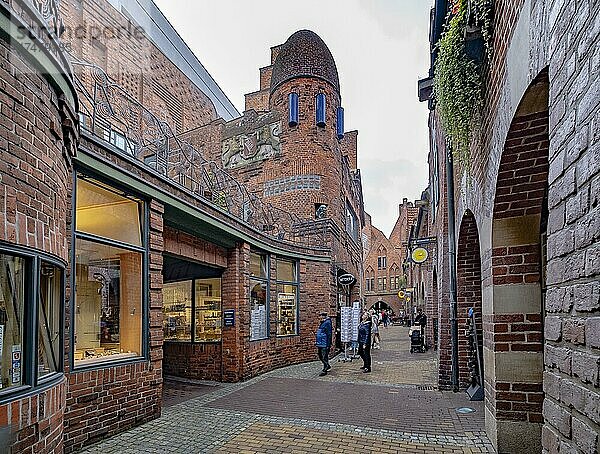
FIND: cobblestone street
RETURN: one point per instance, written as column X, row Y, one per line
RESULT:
column 396, row 408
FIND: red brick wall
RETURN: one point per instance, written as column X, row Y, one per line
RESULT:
column 35, row 181
column 520, row 192
column 468, row 294
column 35, row 187
column 200, row 361
column 194, row 248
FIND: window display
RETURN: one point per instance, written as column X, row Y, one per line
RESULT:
column 180, row 302
column 286, row 310
column 287, row 298
column 18, row 290
column 208, row 310
column 49, row 319
column 177, row 309
column 109, row 280
column 259, row 287
column 12, row 302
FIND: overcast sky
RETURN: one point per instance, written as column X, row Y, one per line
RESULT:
column 380, row 48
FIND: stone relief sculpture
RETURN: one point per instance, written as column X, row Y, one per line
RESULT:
column 260, row 144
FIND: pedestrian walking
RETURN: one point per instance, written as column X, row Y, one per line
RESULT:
column 364, row 341
column 376, row 338
column 323, row 342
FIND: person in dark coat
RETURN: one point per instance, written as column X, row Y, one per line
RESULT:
column 323, row 342
column 364, row 341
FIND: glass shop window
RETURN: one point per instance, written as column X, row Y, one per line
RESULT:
column 208, row 310
column 287, row 298
column 109, row 282
column 28, row 308
column 177, row 309
column 259, row 290
column 49, row 319
column 12, row 314
column 200, row 297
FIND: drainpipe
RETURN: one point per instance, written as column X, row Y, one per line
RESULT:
column 452, row 265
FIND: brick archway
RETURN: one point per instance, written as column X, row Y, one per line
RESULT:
column 468, row 295
column 513, row 342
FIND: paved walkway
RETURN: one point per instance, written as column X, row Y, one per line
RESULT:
column 396, row 408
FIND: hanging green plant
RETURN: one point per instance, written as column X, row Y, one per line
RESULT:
column 458, row 84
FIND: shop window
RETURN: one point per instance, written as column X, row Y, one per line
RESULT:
column 49, row 319
column 30, row 321
column 177, row 309
column 259, row 290
column 201, row 297
column 287, row 298
column 109, row 276
column 207, row 309
column 12, row 316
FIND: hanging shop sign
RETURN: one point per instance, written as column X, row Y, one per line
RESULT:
column 419, row 255
column 346, row 279
column 401, row 294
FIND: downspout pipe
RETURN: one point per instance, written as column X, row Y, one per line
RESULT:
column 452, row 265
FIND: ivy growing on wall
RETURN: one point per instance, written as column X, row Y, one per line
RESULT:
column 458, row 81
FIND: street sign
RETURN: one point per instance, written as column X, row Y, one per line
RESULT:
column 424, row 241
column 419, row 255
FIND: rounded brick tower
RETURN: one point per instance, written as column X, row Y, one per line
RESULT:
column 305, row 80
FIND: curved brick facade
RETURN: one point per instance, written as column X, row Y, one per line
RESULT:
column 37, row 142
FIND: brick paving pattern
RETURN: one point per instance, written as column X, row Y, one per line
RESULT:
column 292, row 410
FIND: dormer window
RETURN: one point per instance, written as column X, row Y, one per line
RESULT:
column 320, row 110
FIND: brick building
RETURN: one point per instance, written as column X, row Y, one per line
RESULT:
column 517, row 231
column 384, row 259
column 151, row 230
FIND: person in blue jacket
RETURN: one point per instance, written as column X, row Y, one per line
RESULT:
column 323, row 342
column 364, row 341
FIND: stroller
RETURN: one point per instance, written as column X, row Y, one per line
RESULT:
column 417, row 342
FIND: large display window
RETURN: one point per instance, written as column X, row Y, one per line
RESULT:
column 109, row 275
column 192, row 311
column 31, row 308
column 259, row 291
column 287, row 298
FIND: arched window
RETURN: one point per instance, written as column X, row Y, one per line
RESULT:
column 382, row 258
